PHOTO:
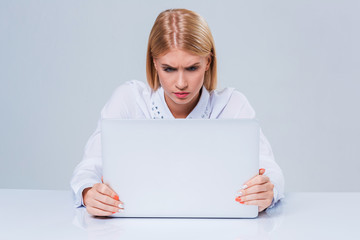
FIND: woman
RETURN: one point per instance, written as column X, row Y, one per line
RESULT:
column 181, row 76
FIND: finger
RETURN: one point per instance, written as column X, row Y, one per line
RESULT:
column 259, row 179
column 106, row 190
column 104, row 207
column 105, row 195
column 245, row 185
column 265, row 187
column 255, row 196
column 258, row 202
column 261, row 172
column 116, row 195
column 98, row 212
column 93, row 197
column 118, row 201
column 107, row 200
column 257, row 189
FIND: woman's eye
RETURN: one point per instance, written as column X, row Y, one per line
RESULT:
column 169, row 69
column 193, row 68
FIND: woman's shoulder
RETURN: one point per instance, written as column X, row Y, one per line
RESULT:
column 234, row 103
column 123, row 102
column 131, row 89
column 228, row 95
column 238, row 97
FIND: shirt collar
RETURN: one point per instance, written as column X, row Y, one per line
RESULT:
column 160, row 109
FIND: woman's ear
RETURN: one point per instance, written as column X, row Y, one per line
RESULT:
column 155, row 64
column 209, row 58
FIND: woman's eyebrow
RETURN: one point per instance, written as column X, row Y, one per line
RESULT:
column 194, row 64
column 166, row 65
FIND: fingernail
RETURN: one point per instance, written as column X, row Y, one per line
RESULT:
column 244, row 187
column 113, row 212
column 116, row 197
column 242, row 202
column 238, row 199
column 121, row 205
column 121, row 210
column 238, row 193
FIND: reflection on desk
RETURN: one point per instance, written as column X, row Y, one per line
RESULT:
column 176, row 228
column 46, row 214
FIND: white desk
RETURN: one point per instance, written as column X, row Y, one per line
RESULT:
column 46, row 214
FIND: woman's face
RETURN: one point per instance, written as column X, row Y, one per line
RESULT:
column 181, row 75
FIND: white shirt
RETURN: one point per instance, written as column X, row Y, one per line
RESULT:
column 136, row 100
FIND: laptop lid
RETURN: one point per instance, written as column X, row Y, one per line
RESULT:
column 180, row 168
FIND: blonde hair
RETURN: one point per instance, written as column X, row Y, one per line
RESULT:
column 185, row 30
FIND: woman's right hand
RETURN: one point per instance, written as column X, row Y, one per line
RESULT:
column 101, row 200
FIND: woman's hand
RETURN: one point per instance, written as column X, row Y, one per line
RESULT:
column 101, row 200
column 257, row 191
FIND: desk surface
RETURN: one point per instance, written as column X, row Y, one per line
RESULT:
column 48, row 214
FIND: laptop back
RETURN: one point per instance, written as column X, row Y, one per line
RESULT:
column 180, row 168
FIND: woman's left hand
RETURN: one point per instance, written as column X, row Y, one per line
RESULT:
column 257, row 191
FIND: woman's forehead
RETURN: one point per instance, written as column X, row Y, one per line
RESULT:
column 180, row 57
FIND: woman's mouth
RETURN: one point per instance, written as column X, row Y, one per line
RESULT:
column 181, row 94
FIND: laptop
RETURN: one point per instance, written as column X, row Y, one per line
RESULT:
column 180, row 168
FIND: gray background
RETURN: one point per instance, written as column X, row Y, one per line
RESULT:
column 296, row 61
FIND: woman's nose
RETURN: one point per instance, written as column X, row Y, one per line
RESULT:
column 181, row 82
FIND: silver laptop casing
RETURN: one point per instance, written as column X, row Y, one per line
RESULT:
column 180, row 168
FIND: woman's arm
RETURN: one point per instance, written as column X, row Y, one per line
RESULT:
column 267, row 188
column 273, row 171
column 86, row 183
column 239, row 107
column 89, row 171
